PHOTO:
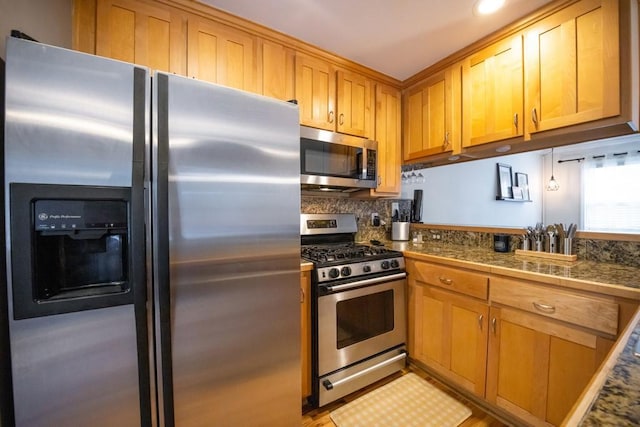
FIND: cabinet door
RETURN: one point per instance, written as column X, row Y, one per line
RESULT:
column 277, row 70
column 492, row 95
column 354, row 104
column 430, row 118
column 451, row 336
column 315, row 92
column 388, row 136
column 139, row 33
column 537, row 368
column 305, row 332
column 221, row 54
column 573, row 66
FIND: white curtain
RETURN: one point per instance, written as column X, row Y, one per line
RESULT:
column 611, row 193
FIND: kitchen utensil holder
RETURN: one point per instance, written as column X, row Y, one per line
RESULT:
column 400, row 231
column 547, row 255
column 568, row 246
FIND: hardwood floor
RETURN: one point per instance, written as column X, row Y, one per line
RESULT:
column 320, row 417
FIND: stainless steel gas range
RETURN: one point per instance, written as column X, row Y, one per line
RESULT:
column 358, row 307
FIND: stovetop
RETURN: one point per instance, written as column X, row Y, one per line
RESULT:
column 345, row 252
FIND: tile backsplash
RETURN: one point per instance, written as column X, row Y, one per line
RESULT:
column 362, row 208
column 610, row 251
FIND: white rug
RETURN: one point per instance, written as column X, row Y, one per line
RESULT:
column 408, row 401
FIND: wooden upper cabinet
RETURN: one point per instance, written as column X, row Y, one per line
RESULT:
column 354, row 104
column 136, row 32
column 221, row 54
column 388, row 134
column 431, row 124
column 277, row 65
column 573, row 66
column 333, row 99
column 492, row 93
column 316, row 92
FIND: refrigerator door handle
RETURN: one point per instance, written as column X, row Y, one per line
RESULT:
column 137, row 230
column 161, row 241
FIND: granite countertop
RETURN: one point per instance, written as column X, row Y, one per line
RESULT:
column 606, row 278
column 616, row 401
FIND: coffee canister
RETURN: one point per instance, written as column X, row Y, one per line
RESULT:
column 400, row 231
column 501, row 242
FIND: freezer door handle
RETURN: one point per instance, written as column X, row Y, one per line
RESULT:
column 330, row 385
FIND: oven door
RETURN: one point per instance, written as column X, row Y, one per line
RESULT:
column 360, row 319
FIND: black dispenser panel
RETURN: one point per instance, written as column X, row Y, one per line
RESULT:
column 76, row 248
column 65, row 215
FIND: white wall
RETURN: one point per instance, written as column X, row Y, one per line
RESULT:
column 465, row 193
column 48, row 21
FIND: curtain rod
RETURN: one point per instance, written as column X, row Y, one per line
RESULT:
column 601, row 156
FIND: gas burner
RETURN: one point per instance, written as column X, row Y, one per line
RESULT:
column 343, row 252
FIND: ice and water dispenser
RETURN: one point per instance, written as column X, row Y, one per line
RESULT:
column 70, row 248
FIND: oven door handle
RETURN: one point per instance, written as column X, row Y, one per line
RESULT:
column 365, row 282
column 330, row 385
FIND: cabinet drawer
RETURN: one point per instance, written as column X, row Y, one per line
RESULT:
column 590, row 312
column 466, row 282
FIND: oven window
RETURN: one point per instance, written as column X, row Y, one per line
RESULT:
column 364, row 317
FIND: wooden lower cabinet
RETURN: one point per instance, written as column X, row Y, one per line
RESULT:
column 448, row 314
column 305, row 332
column 525, row 347
column 450, row 335
column 537, row 368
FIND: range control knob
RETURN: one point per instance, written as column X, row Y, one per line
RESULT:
column 366, row 268
column 385, row 265
column 346, row 271
column 395, row 263
column 334, row 272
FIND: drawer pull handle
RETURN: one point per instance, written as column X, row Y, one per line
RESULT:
column 546, row 308
column 445, row 281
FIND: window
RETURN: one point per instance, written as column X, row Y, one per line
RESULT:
column 611, row 194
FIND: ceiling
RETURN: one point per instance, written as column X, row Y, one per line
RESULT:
column 396, row 37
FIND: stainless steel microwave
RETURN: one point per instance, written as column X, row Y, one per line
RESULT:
column 332, row 161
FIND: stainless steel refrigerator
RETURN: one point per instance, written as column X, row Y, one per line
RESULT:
column 152, row 246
